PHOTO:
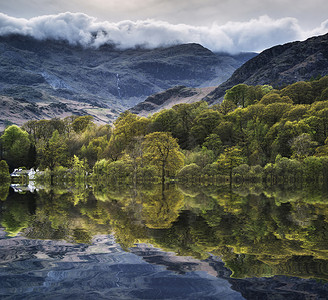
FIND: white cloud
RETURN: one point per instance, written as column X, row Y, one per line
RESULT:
column 77, row 28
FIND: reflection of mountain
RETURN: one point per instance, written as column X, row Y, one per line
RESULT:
column 179, row 264
column 38, row 269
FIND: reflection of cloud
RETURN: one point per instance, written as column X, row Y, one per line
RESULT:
column 78, row 28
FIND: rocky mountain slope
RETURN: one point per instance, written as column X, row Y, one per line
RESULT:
column 280, row 65
column 277, row 66
column 43, row 79
column 170, row 97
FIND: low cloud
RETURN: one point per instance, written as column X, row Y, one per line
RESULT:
column 81, row 29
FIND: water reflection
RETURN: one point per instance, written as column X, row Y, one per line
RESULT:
column 254, row 232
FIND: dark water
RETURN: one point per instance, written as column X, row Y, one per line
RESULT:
column 176, row 243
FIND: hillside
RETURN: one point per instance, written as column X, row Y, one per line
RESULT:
column 170, row 97
column 38, row 76
column 280, row 65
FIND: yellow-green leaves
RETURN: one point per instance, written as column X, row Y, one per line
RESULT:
column 163, row 151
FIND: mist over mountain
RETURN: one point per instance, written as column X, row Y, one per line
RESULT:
column 49, row 78
column 233, row 37
column 55, row 66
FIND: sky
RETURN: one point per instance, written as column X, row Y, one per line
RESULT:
column 220, row 25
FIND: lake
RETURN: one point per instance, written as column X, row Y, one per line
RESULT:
column 163, row 242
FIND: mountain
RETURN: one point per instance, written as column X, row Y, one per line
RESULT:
column 279, row 66
column 170, row 97
column 44, row 79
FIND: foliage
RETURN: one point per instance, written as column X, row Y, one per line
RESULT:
column 79, row 167
column 16, row 144
column 260, row 121
column 4, row 172
column 189, row 172
column 55, row 152
column 229, row 159
column 81, row 123
column 4, row 190
column 163, row 151
column 255, row 231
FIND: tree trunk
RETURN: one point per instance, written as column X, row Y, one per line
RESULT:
column 163, row 172
column 51, row 178
column 230, row 183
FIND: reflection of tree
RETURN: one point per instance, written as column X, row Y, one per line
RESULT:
column 266, row 236
column 4, row 191
column 63, row 214
column 17, row 213
column 256, row 234
column 161, row 207
column 121, row 210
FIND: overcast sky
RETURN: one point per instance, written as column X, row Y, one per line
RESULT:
column 220, row 25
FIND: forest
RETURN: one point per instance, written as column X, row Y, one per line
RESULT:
column 257, row 133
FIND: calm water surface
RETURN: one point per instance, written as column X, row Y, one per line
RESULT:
column 171, row 243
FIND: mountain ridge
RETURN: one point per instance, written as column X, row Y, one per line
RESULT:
column 103, row 81
column 280, row 65
column 277, row 66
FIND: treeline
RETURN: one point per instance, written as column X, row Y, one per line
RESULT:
column 256, row 132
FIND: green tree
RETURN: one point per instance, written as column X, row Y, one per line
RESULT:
column 165, row 120
column 283, row 134
column 312, row 167
column 16, row 144
column 297, row 112
column 214, row 143
column 275, row 97
column 189, row 172
column 204, row 125
column 54, row 153
column 135, row 153
column 226, row 132
column 229, row 159
column 94, row 150
column 274, row 112
column 237, row 94
column 241, row 171
column 163, row 151
column 226, row 106
column 79, row 168
column 100, row 169
column 81, row 123
column 187, row 113
column 302, row 146
column 31, row 157
column 120, row 171
column 300, row 92
column 201, row 158
column 126, row 128
column 287, row 169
